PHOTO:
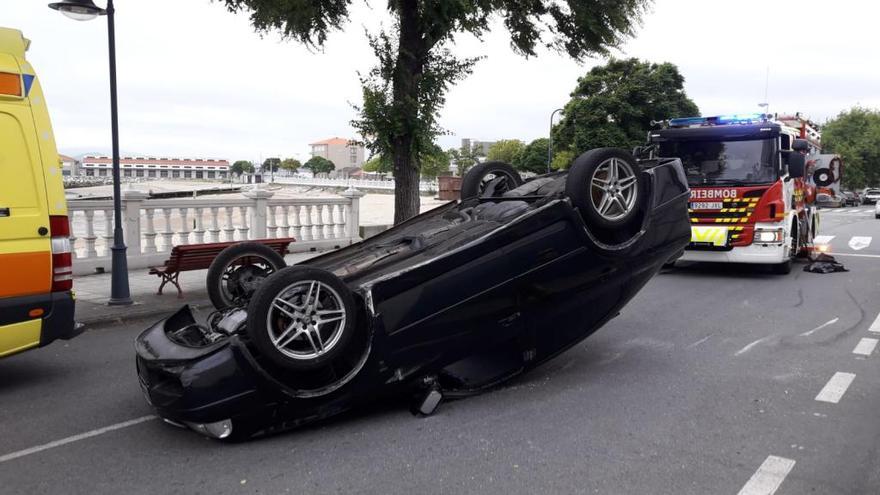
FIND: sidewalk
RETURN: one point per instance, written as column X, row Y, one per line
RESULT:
column 93, row 291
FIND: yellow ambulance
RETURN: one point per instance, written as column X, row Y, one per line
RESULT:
column 36, row 279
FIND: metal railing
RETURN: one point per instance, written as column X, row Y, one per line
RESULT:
column 153, row 227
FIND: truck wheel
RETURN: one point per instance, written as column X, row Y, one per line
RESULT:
column 495, row 178
column 302, row 318
column 604, row 185
column 238, row 270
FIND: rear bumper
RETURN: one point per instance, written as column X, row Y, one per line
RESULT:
column 57, row 314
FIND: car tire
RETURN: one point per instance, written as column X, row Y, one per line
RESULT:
column 229, row 286
column 476, row 179
column 302, row 318
column 604, row 184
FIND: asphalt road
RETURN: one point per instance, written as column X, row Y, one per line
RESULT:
column 707, row 380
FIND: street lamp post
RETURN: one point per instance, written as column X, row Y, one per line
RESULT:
column 550, row 140
column 84, row 10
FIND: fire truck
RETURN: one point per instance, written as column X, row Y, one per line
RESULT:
column 752, row 189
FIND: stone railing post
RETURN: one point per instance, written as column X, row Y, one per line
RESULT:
column 260, row 198
column 131, row 218
column 352, row 217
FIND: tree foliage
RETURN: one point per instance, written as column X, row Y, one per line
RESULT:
column 242, row 167
column 614, row 104
column 291, row 164
column 465, row 157
column 855, row 135
column 319, row 165
column 533, row 157
column 377, row 164
column 562, row 160
column 271, row 164
column 506, row 150
column 403, row 94
column 436, row 163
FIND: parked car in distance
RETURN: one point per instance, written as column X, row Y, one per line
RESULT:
column 871, row 196
column 851, row 198
column 36, row 280
column 826, row 200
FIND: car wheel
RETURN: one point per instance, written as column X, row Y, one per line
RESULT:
column 604, row 185
column 493, row 178
column 237, row 272
column 302, row 318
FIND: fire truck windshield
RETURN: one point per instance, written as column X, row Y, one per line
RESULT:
column 724, row 162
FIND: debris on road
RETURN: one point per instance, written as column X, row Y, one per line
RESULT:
column 824, row 263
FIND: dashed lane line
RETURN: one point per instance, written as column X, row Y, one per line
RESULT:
column 835, row 388
column 768, row 477
column 823, row 239
column 74, row 438
column 875, row 327
column 748, row 347
column 866, row 346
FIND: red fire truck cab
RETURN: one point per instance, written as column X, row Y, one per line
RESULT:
column 751, row 197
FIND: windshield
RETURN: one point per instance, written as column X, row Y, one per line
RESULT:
column 724, row 162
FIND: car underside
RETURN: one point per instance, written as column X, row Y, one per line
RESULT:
column 447, row 304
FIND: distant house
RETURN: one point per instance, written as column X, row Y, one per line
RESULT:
column 482, row 146
column 69, row 165
column 152, row 167
column 342, row 152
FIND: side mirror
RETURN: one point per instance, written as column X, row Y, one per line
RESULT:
column 796, row 164
column 800, row 145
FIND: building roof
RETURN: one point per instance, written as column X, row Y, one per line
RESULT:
column 333, row 140
column 140, row 160
column 65, row 158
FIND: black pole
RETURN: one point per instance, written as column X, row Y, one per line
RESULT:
column 119, row 291
column 550, row 140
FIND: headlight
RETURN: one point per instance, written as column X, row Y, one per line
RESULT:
column 768, row 236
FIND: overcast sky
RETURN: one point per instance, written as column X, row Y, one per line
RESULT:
column 195, row 80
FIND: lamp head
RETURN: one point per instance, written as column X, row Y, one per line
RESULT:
column 80, row 10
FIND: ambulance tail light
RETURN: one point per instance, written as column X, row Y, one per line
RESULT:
column 10, row 84
column 62, row 257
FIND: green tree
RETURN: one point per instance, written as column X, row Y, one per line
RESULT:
column 271, row 165
column 614, row 104
column 320, row 165
column 533, row 157
column 562, row 160
column 377, row 164
column 404, row 92
column 855, row 135
column 435, row 163
column 465, row 157
column 291, row 164
column 506, row 150
column 242, row 167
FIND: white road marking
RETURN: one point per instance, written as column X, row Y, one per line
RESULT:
column 875, row 327
column 858, row 255
column 768, row 477
column 822, row 239
column 858, row 243
column 865, row 346
column 836, row 387
column 749, row 347
column 75, row 438
column 820, row 327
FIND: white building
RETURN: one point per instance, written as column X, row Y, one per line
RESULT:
column 151, row 167
column 342, row 152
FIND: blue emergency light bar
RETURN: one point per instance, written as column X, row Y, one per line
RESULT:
column 743, row 118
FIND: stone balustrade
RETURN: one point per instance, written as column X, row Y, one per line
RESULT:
column 153, row 226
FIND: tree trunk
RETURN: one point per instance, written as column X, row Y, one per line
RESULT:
column 411, row 54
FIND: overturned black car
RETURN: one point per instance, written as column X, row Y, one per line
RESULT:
column 447, row 304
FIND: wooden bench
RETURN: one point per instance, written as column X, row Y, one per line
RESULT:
column 199, row 257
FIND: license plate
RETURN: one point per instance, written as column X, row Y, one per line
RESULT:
column 706, row 205
column 709, row 236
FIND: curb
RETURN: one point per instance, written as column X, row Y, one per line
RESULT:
column 144, row 312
